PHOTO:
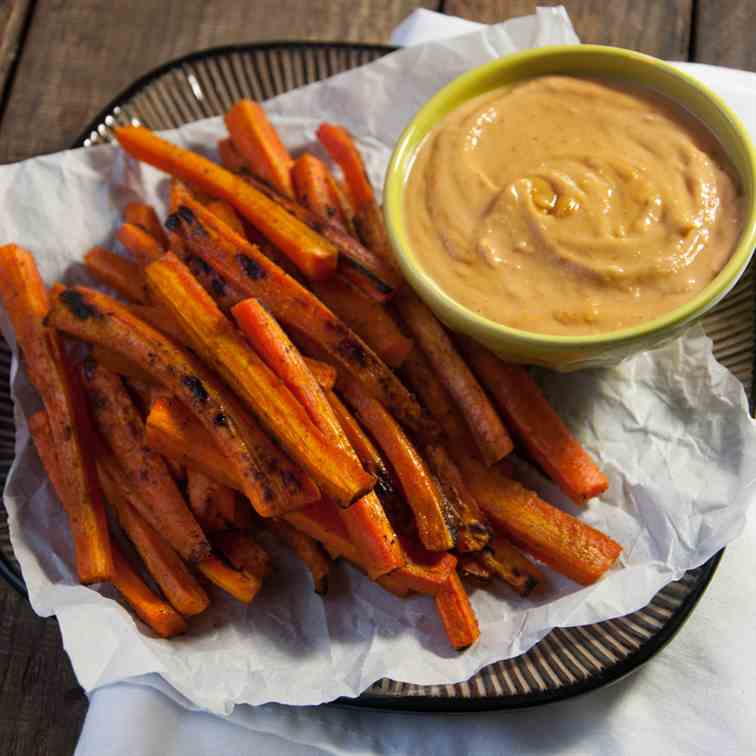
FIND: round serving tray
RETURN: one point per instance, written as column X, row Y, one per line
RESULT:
column 568, row 661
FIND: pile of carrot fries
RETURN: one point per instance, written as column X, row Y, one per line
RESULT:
column 263, row 367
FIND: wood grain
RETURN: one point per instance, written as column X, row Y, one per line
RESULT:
column 657, row 27
column 724, row 34
column 13, row 15
column 78, row 55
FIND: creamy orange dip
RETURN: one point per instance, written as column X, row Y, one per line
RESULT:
column 571, row 206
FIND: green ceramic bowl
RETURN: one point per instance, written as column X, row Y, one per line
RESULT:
column 568, row 352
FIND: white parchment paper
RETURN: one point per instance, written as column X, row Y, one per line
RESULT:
column 670, row 428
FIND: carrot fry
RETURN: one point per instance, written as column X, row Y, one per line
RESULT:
column 368, row 319
column 117, row 363
column 473, row 532
column 340, row 146
column 144, row 216
column 120, row 274
column 513, row 567
column 225, row 294
column 490, row 435
column 307, row 549
column 221, row 345
column 223, row 211
column 315, row 256
column 314, row 190
column 176, row 582
column 156, row 496
column 252, row 273
column 144, row 247
column 420, row 489
column 533, row 419
column 457, row 614
column 371, row 231
column 426, row 571
column 206, row 498
column 26, row 301
column 257, row 140
column 322, row 372
column 159, row 319
column 343, row 203
column 244, row 553
column 240, row 585
column 155, row 612
column 565, row 543
column 95, row 317
column 39, row 428
column 366, row 522
column 230, row 158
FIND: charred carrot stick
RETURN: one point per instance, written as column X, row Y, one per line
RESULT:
column 25, row 299
column 144, row 247
column 322, row 372
column 117, row 363
column 256, row 276
column 565, row 543
column 506, row 561
column 118, row 273
column 343, row 151
column 230, row 157
column 315, row 256
column 313, row 189
column 489, row 433
column 473, row 532
column 95, row 317
column 153, row 611
column 205, row 497
column 456, row 612
column 242, row 586
column 144, row 216
column 176, row 582
column 39, row 428
column 257, row 140
column 368, row 319
column 307, row 549
column 534, row 420
column 420, row 489
column 225, row 294
column 156, row 496
column 244, row 553
column 221, row 345
column 366, row 522
column 223, row 211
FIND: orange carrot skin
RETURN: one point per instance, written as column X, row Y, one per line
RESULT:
column 514, row 567
column 543, row 432
column 144, row 216
column 118, row 273
column 313, row 190
column 160, row 319
column 157, row 497
column 230, row 158
column 214, row 337
column 223, row 211
column 368, row 319
column 240, row 585
column 457, row 614
column 257, row 140
column 565, row 543
column 26, row 301
column 294, row 306
column 366, row 522
column 162, row 562
column 143, row 247
column 426, row 571
column 340, row 146
column 322, row 372
column 158, row 614
column 491, row 437
column 117, row 363
column 315, row 256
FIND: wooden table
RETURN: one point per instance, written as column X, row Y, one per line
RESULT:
column 61, row 61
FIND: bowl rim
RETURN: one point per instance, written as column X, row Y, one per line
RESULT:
column 487, row 329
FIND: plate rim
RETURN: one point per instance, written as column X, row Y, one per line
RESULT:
column 404, row 703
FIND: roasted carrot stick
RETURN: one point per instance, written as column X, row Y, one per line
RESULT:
column 223, row 211
column 340, row 146
column 156, row 496
column 252, row 273
column 533, row 419
column 144, row 216
column 315, row 256
column 507, row 562
column 225, row 294
column 322, row 372
column 426, row 571
column 155, row 612
column 244, row 553
column 368, row 319
column 230, row 157
column 366, row 522
column 160, row 319
column 307, row 549
column 242, row 586
column 565, row 543
column 490, row 435
column 221, row 345
column 118, row 273
column 420, row 489
column 144, row 247
column 257, row 140
column 95, row 317
column 457, row 614
column 313, row 189
column 176, row 582
column 25, row 299
column 207, row 500
column 117, row 363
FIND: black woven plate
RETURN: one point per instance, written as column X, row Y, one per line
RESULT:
column 569, row 661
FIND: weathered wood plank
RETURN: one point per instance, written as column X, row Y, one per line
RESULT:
column 723, row 34
column 13, row 15
column 80, row 54
column 657, row 27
